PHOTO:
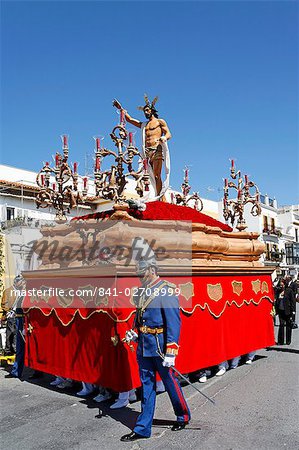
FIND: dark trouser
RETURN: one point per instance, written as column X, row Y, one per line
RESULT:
column 10, row 345
column 148, row 366
column 17, row 368
column 284, row 322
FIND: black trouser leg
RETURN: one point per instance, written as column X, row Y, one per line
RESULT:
column 282, row 324
column 288, row 330
column 10, row 345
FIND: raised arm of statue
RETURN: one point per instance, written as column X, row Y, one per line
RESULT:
column 165, row 129
column 129, row 119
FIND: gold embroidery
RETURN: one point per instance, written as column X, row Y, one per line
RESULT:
column 101, row 300
column 151, row 297
column 215, row 291
column 172, row 351
column 114, row 340
column 34, row 298
column 45, row 293
column 66, row 299
column 86, row 293
column 256, row 286
column 265, row 287
column 227, row 303
column 115, row 319
column 78, row 312
column 187, row 290
column 237, row 287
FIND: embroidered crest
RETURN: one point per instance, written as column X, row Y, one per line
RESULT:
column 101, row 300
column 86, row 293
column 237, row 287
column 265, row 287
column 256, row 286
column 45, row 293
column 187, row 290
column 215, row 291
column 66, row 299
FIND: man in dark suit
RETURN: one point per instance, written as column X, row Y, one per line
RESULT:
column 294, row 287
column 158, row 324
column 286, row 310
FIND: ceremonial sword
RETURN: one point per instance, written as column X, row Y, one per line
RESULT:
column 187, row 381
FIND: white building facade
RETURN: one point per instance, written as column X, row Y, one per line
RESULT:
column 278, row 228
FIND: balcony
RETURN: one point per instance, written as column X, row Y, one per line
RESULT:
column 27, row 222
column 272, row 231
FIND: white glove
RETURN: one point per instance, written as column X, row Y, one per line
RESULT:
column 130, row 336
column 163, row 139
column 168, row 361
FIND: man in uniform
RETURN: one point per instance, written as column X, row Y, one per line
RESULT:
column 158, row 323
column 156, row 134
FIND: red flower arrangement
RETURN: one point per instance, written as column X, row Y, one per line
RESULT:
column 164, row 211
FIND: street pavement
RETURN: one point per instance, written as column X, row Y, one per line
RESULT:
column 256, row 408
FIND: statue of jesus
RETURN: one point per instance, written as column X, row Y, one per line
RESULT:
column 155, row 134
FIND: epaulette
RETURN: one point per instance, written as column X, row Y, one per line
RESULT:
column 169, row 284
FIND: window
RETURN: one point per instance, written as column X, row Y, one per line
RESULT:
column 10, row 213
column 292, row 253
column 265, row 219
column 296, row 234
column 272, row 224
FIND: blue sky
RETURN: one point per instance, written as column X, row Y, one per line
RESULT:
column 226, row 74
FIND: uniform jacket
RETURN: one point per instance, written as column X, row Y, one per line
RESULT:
column 289, row 301
column 162, row 312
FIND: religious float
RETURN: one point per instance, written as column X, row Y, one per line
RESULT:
column 80, row 300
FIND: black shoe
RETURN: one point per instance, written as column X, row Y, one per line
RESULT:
column 132, row 437
column 288, row 343
column 179, row 426
column 9, row 375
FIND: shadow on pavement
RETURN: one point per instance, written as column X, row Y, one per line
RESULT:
column 280, row 349
column 127, row 416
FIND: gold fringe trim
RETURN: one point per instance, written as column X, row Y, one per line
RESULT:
column 227, row 303
column 77, row 312
column 205, row 306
